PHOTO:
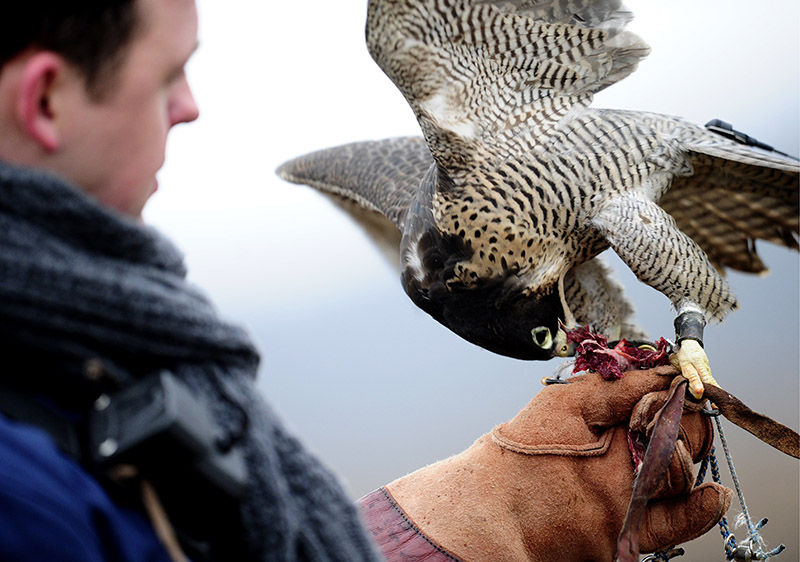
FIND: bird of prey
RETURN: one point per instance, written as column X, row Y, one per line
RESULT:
column 518, row 184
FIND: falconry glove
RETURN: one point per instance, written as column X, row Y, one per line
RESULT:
column 554, row 482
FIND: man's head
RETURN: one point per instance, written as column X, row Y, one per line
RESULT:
column 89, row 34
column 89, row 90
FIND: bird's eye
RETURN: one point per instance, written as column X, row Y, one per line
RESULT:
column 542, row 337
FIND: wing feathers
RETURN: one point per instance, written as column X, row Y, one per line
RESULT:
column 735, row 196
column 584, row 13
column 492, row 74
column 380, row 175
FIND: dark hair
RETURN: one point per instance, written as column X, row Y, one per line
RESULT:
column 91, row 34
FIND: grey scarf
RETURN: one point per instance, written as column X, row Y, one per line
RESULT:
column 79, row 282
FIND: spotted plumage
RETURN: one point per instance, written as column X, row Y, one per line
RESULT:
column 518, row 184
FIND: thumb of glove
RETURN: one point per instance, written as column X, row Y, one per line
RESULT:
column 683, row 518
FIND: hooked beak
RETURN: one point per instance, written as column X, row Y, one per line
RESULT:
column 562, row 347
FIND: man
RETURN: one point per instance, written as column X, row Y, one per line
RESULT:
column 94, row 303
column 90, row 91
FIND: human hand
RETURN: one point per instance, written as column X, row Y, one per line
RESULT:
column 554, row 482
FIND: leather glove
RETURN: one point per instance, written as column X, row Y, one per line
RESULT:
column 553, row 483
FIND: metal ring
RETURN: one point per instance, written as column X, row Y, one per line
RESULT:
column 547, row 381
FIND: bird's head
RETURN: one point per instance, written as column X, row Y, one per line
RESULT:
column 499, row 314
column 500, row 318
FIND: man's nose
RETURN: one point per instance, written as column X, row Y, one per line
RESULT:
column 183, row 107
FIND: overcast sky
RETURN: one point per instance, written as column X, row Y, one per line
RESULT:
column 372, row 384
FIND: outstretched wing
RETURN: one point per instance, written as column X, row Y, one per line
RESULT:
column 735, row 196
column 491, row 79
column 379, row 176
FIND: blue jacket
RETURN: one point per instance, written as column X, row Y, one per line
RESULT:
column 52, row 509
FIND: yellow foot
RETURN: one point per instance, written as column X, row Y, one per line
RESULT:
column 692, row 360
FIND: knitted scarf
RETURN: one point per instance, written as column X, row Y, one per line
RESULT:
column 79, row 282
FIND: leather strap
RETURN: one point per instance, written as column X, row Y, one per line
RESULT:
column 654, row 467
column 768, row 430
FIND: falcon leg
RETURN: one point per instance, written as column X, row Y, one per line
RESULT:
column 690, row 357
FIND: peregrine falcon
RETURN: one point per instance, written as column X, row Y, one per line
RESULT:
column 518, row 184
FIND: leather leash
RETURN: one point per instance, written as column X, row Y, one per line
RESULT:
column 768, row 430
column 654, row 467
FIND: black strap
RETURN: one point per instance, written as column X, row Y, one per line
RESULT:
column 201, row 496
column 24, row 408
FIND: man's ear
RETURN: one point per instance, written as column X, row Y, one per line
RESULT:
column 34, row 108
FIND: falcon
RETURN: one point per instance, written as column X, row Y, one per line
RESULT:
column 518, row 183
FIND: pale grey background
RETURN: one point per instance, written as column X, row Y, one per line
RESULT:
column 371, row 383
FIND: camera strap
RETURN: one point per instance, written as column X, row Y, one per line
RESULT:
column 153, row 434
column 24, row 408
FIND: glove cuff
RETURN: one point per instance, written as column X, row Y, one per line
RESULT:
column 395, row 533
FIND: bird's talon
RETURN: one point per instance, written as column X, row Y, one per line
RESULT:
column 708, row 379
column 692, row 360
